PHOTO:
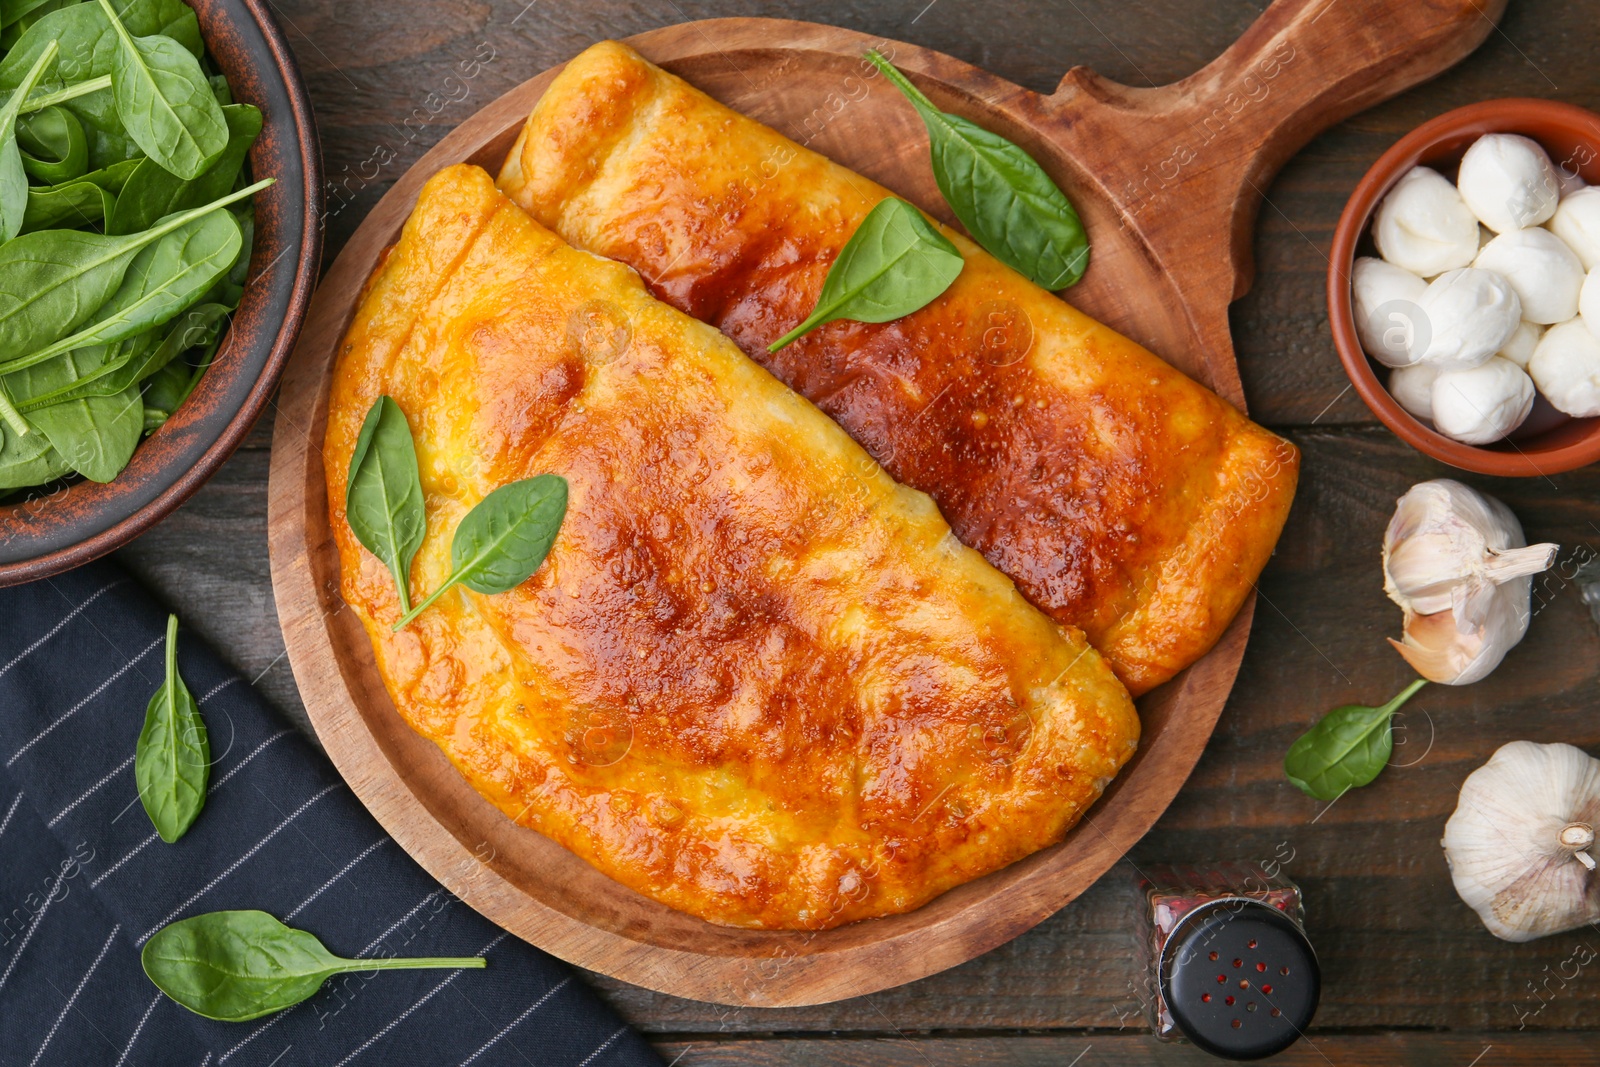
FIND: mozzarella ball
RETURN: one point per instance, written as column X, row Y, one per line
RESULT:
column 1481, row 404
column 1541, row 268
column 1523, row 341
column 1423, row 225
column 1508, row 182
column 1577, row 222
column 1465, row 317
column 1412, row 388
column 1384, row 299
column 1566, row 368
column 1589, row 302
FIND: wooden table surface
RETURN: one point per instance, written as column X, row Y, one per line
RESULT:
column 1410, row 975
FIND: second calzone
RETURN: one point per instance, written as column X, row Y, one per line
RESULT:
column 1121, row 496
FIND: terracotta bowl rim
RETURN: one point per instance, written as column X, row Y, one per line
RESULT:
column 1506, row 114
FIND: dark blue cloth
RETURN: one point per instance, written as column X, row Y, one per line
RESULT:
column 84, row 881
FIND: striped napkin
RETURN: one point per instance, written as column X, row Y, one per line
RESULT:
column 84, row 880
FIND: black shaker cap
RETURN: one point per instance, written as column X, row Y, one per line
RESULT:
column 1240, row 978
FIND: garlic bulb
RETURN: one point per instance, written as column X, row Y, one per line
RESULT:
column 1458, row 564
column 1520, row 844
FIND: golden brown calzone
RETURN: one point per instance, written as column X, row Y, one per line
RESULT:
column 756, row 679
column 1122, row 497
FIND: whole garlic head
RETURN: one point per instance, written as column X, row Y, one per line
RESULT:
column 1457, row 563
column 1423, row 225
column 1566, row 368
column 1577, row 222
column 1465, row 317
column 1384, row 299
column 1412, row 388
column 1481, row 404
column 1541, row 268
column 1519, row 844
column 1508, row 181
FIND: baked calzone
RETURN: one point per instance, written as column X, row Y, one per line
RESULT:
column 1123, row 497
column 756, row 678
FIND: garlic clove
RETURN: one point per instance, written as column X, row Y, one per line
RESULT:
column 1457, row 563
column 1518, row 844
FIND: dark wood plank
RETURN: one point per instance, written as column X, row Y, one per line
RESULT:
column 1130, row 1050
column 1401, row 951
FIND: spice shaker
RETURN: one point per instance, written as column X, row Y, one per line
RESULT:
column 1230, row 963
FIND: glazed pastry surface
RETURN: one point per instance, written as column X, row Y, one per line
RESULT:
column 756, row 679
column 1121, row 496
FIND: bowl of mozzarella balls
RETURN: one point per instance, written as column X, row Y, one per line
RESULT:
column 1464, row 288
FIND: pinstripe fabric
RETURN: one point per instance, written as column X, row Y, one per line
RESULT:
column 84, row 881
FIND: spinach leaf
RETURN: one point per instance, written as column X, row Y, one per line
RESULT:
column 54, row 148
column 89, row 46
column 79, row 203
column 234, row 966
column 53, row 280
column 68, row 375
column 1000, row 194
column 1346, row 749
column 12, row 10
column 173, row 760
column 504, row 539
column 153, row 191
column 383, row 495
column 163, row 392
column 199, row 325
column 95, row 435
column 895, row 263
column 114, row 177
column 13, row 179
column 165, row 102
column 28, row 459
column 164, row 278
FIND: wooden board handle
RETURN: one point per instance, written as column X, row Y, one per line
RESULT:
column 1303, row 66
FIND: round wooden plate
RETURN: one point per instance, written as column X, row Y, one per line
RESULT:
column 1167, row 181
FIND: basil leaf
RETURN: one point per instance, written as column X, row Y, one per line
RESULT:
column 153, row 192
column 53, row 280
column 383, row 495
column 1346, row 749
column 165, row 102
column 1000, row 194
column 88, row 49
column 234, row 966
column 79, row 203
column 95, row 435
column 13, row 179
column 29, row 460
column 503, row 540
column 173, row 761
column 895, row 263
column 54, row 148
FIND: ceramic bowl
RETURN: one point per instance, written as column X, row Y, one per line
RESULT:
column 1548, row 441
column 48, row 530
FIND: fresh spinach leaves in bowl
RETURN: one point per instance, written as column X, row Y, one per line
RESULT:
column 125, row 228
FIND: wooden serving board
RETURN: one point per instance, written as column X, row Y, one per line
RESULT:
column 1168, row 181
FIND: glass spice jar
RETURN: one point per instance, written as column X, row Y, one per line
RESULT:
column 1230, row 966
